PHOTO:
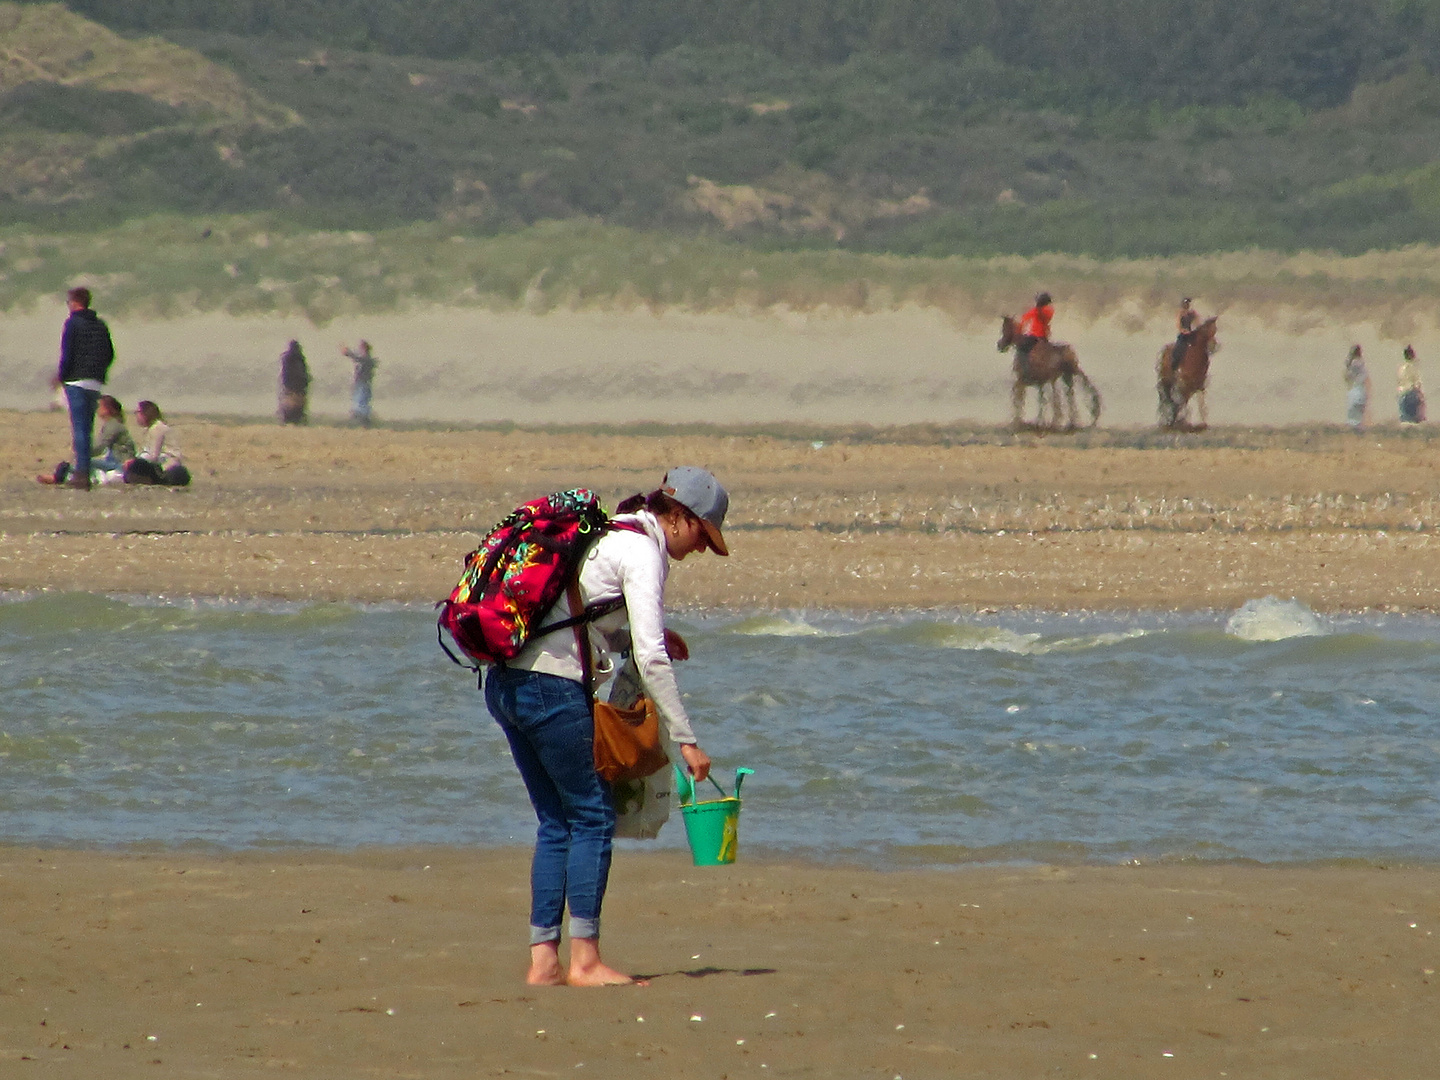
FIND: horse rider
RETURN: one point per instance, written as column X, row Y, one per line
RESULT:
column 1186, row 323
column 1034, row 327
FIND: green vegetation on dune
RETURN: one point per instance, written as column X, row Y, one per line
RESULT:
column 930, row 128
column 1057, row 51
column 261, row 264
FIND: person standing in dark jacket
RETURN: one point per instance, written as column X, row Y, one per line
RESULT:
column 86, row 353
column 294, row 385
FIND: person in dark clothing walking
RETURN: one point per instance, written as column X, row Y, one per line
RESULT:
column 294, row 385
column 86, row 353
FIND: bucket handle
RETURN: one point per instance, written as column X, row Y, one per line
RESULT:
column 685, row 784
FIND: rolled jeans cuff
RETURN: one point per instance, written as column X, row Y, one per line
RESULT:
column 539, row 935
column 584, row 928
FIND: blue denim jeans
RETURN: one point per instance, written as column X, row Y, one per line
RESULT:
column 83, row 404
column 551, row 733
column 360, row 403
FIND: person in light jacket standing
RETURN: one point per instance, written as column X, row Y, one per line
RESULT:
column 86, row 353
column 542, row 705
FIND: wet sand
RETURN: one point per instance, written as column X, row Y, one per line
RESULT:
column 843, row 518
column 408, row 963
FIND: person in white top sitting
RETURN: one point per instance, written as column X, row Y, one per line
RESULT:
column 159, row 460
column 542, row 705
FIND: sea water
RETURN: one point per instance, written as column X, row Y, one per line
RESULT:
column 1266, row 733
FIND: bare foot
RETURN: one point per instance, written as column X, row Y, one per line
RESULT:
column 545, row 969
column 601, row 975
column 544, row 977
column 587, row 969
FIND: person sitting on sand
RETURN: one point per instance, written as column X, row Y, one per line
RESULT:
column 542, row 704
column 1357, row 398
column 113, row 444
column 109, row 450
column 160, row 461
column 1409, row 392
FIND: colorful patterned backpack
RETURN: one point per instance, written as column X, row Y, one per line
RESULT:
column 516, row 575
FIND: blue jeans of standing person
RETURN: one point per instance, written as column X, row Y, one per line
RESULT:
column 83, row 404
column 551, row 731
column 360, row 404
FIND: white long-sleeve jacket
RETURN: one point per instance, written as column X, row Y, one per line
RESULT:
column 635, row 566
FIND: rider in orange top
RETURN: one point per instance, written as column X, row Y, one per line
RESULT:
column 1034, row 326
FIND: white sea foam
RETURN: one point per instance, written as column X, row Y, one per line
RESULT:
column 775, row 626
column 995, row 639
column 1000, row 639
column 1272, row 619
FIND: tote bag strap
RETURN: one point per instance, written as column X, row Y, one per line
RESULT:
column 582, row 642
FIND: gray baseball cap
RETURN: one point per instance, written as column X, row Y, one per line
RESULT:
column 699, row 492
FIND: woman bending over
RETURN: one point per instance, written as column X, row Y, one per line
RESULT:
column 543, row 707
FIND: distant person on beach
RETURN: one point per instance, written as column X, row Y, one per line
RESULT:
column 113, row 443
column 111, row 447
column 1185, row 325
column 86, row 353
column 365, row 364
column 159, row 461
column 1408, row 391
column 294, row 385
column 541, row 703
column 1357, row 397
column 1034, row 327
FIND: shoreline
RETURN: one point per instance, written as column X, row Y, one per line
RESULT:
column 752, row 854
column 720, row 613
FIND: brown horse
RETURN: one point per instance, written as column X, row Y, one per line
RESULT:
column 1177, row 385
column 1049, row 363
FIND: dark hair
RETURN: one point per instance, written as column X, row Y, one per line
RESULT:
column 1409, row 352
column 112, row 403
column 80, row 295
column 657, row 502
column 1185, row 301
column 1355, row 350
column 1043, row 299
column 150, row 406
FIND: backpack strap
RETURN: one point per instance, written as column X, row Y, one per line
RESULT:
column 578, row 612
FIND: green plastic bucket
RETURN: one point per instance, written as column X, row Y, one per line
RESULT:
column 712, row 828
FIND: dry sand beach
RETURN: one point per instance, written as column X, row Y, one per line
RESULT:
column 832, row 518
column 408, row 963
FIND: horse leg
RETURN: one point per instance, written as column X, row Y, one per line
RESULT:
column 1070, row 401
column 1204, row 412
column 1017, row 402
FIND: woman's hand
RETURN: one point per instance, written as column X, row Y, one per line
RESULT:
column 697, row 760
column 676, row 647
